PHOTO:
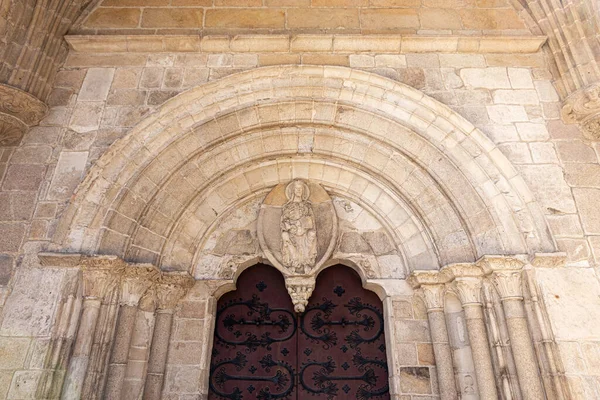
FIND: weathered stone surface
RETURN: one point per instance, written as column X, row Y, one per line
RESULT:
column 68, row 174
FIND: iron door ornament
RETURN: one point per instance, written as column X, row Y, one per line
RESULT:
column 334, row 350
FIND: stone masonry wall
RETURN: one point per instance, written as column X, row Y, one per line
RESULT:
column 98, row 97
column 348, row 16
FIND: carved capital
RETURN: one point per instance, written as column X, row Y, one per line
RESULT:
column 549, row 260
column 418, row 278
column 300, row 290
column 136, row 281
column 508, row 284
column 434, row 296
column 583, row 108
column 489, row 264
column 18, row 111
column 101, row 274
column 171, row 287
column 469, row 290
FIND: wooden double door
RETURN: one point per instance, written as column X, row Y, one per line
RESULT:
column 264, row 350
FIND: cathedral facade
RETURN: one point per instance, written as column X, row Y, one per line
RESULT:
column 296, row 199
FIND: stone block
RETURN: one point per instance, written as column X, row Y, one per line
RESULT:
column 576, row 152
column 531, row 132
column 549, row 187
column 379, row 19
column 578, row 251
column 572, row 298
column 6, row 267
column 16, row 206
column 439, row 18
column 29, row 309
column 415, row 380
column 13, row 351
column 245, row 18
column 390, row 60
column 67, row 174
column 322, row 18
column 425, row 354
column 505, row 114
column 24, row 177
column 520, row 78
column 543, row 153
column 462, row 60
column 185, row 353
column 24, row 383
column 487, row 78
column 546, row 91
column 96, row 84
column 489, row 19
column 114, row 18
column 412, row 331
column 86, row 116
column 31, row 155
column 523, row 97
column 587, row 204
column 172, row 18
column 584, row 175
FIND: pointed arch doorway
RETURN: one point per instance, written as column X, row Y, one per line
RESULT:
column 263, row 350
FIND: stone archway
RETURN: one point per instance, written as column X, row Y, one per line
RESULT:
column 415, row 186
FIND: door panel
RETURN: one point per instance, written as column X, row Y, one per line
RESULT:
column 254, row 351
column 263, row 350
column 341, row 343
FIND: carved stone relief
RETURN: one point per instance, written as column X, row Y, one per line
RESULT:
column 583, row 108
column 297, row 227
column 18, row 111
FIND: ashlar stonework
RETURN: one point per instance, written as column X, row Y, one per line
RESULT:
column 152, row 151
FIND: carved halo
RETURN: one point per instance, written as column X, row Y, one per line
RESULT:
column 289, row 189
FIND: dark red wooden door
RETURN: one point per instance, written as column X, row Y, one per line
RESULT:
column 263, row 350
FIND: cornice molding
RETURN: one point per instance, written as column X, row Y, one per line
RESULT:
column 302, row 43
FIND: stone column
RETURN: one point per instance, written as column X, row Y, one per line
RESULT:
column 434, row 301
column 170, row 289
column 468, row 283
column 136, row 280
column 433, row 286
column 505, row 274
column 139, row 349
column 100, row 275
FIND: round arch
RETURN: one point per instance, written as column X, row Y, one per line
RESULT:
column 440, row 187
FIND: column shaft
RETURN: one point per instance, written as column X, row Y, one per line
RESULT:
column 120, row 350
column 522, row 347
column 158, row 355
column 135, row 373
column 78, row 365
column 443, row 354
column 481, row 351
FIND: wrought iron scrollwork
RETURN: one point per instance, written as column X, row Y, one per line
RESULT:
column 324, row 378
column 282, row 379
column 259, row 314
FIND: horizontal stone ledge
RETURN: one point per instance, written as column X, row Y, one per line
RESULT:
column 342, row 44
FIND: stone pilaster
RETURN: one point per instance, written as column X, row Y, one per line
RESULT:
column 169, row 290
column 506, row 275
column 432, row 285
column 468, row 284
column 136, row 281
column 100, row 276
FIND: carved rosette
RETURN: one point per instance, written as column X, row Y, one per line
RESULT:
column 171, row 287
column 136, row 281
column 300, row 290
column 18, row 111
column 297, row 227
column 583, row 108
